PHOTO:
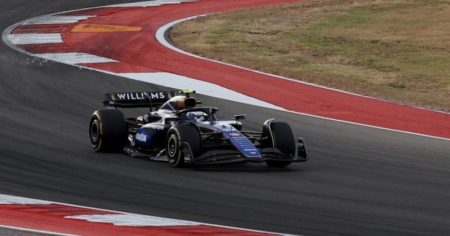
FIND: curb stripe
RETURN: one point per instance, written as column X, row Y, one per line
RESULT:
column 128, row 219
column 59, row 218
column 74, row 58
column 35, row 38
column 38, row 29
column 10, row 200
column 56, row 19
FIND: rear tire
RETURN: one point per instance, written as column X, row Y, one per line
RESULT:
column 108, row 131
column 176, row 136
column 283, row 139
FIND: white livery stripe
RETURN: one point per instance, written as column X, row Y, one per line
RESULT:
column 128, row 219
column 21, row 39
column 54, row 19
column 8, row 200
column 74, row 58
column 202, row 87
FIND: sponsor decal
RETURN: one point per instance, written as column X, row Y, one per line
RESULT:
column 157, row 95
column 139, row 96
column 224, row 126
column 235, row 134
column 154, row 126
column 131, row 96
column 250, row 150
column 141, row 137
column 243, row 144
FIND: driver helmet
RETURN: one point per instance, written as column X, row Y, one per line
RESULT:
column 181, row 102
column 178, row 103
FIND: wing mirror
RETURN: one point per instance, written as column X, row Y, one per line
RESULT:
column 239, row 117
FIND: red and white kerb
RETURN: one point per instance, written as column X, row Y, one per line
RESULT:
column 64, row 219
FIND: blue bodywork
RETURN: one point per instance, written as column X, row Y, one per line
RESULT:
column 242, row 143
column 150, row 135
column 238, row 140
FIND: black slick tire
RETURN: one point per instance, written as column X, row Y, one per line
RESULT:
column 108, row 131
column 282, row 139
column 176, row 137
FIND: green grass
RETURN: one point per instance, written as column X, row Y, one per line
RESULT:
column 397, row 50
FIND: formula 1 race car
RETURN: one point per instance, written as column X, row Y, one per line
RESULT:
column 178, row 131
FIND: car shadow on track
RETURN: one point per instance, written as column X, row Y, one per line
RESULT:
column 245, row 167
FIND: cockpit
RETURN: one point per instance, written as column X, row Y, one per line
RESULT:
column 197, row 116
column 179, row 103
column 185, row 108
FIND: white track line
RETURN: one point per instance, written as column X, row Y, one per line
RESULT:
column 151, row 3
column 136, row 220
column 202, row 87
column 55, row 19
column 12, row 200
column 74, row 58
column 22, row 39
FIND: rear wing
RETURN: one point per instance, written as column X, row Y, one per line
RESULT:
column 136, row 99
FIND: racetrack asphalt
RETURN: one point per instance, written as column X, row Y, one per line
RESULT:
column 360, row 180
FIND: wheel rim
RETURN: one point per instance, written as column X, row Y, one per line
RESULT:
column 94, row 132
column 172, row 146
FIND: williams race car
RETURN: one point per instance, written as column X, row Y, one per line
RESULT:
column 177, row 130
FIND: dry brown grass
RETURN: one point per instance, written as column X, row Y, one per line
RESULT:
column 391, row 49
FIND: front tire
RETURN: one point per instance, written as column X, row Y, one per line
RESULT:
column 283, row 139
column 176, row 137
column 108, row 131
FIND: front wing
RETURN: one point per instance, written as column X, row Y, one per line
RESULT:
column 232, row 155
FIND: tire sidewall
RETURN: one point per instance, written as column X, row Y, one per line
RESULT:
column 173, row 148
column 187, row 136
column 97, row 140
column 108, row 131
column 282, row 139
